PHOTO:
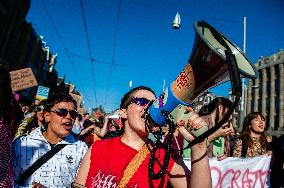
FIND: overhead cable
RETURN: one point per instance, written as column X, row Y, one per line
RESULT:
column 62, row 43
column 89, row 48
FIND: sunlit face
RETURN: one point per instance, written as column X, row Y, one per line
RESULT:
column 135, row 113
column 60, row 126
column 258, row 124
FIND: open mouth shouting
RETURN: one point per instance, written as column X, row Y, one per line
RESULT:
column 67, row 125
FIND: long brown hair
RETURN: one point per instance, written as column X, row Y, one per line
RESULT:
column 245, row 133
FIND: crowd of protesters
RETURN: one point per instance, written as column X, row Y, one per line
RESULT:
column 49, row 144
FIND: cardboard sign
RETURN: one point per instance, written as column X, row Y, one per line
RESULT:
column 81, row 110
column 22, row 79
column 77, row 98
column 42, row 93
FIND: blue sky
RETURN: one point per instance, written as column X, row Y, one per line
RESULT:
column 134, row 40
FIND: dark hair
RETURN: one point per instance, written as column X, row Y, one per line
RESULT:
column 80, row 117
column 209, row 108
column 245, row 133
column 87, row 123
column 57, row 98
column 85, row 114
column 126, row 99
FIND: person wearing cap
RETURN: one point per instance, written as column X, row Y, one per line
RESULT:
column 60, row 170
column 123, row 161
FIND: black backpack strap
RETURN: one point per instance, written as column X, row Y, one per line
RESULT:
column 244, row 148
column 36, row 165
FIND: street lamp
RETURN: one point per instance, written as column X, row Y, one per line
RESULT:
column 176, row 21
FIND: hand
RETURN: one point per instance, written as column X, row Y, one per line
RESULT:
column 221, row 157
column 37, row 185
column 226, row 130
column 195, row 122
column 106, row 119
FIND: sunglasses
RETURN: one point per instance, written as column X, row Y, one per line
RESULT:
column 39, row 108
column 140, row 101
column 63, row 112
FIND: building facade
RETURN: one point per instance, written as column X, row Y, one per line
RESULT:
column 266, row 93
column 22, row 47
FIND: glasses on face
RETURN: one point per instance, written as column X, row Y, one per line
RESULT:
column 39, row 108
column 63, row 112
column 140, row 101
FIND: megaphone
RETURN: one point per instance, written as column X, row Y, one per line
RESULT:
column 214, row 60
column 207, row 67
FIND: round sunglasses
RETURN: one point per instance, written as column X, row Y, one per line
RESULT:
column 63, row 112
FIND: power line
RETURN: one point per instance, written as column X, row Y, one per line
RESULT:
column 121, row 64
column 62, row 43
column 113, row 51
column 89, row 48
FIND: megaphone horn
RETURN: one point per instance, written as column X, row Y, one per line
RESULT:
column 214, row 60
column 207, row 67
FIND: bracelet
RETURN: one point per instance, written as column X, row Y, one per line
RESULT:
column 77, row 185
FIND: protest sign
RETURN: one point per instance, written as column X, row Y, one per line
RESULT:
column 81, row 110
column 77, row 98
column 42, row 93
column 22, row 79
column 239, row 172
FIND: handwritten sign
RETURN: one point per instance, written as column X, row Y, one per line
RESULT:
column 239, row 172
column 77, row 98
column 42, row 93
column 22, row 79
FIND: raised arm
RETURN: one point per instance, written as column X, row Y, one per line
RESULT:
column 200, row 175
column 102, row 131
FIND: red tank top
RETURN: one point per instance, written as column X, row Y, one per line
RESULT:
column 110, row 157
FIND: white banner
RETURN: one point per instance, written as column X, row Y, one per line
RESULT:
column 235, row 172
